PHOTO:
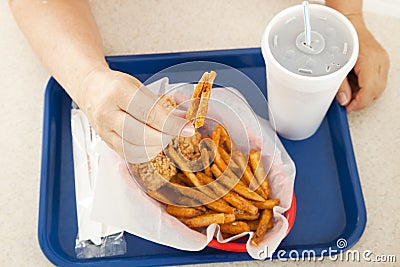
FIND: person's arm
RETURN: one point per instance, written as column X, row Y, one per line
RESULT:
column 65, row 37
column 372, row 65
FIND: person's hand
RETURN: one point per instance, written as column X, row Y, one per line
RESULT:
column 369, row 78
column 127, row 116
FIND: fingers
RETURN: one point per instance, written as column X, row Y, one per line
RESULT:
column 146, row 108
column 370, row 86
column 363, row 98
column 343, row 96
column 137, row 133
column 130, row 152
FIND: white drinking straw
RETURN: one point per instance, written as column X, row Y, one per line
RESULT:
column 307, row 24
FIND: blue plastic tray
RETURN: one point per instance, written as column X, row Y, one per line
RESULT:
column 330, row 204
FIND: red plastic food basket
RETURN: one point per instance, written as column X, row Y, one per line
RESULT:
column 234, row 246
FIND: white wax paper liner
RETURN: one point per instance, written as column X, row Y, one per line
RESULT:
column 119, row 203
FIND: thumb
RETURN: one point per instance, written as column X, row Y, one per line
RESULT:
column 343, row 96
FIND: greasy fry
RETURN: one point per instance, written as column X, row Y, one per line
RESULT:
column 190, row 202
column 184, row 212
column 228, row 161
column 262, row 228
column 240, row 203
column 158, row 196
column 171, row 152
column 247, row 174
column 230, row 197
column 225, row 138
column 234, row 228
column 194, row 104
column 207, row 219
column 205, row 96
column 182, row 180
column 254, row 224
column 190, row 175
column 216, row 135
column 205, row 158
column 241, row 215
column 258, row 169
column 267, row 204
column 217, row 205
column 238, row 187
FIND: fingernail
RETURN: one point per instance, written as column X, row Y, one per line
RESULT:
column 342, row 98
column 188, row 131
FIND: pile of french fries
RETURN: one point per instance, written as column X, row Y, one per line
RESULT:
column 231, row 190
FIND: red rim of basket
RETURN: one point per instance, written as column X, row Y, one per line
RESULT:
column 290, row 215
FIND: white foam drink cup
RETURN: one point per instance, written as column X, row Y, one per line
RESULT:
column 302, row 81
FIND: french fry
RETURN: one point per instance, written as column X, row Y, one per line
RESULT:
column 234, row 185
column 218, row 205
column 241, row 215
column 234, row 228
column 158, row 196
column 207, row 219
column 216, row 136
column 190, row 175
column 254, row 224
column 205, row 158
column 190, row 202
column 230, row 197
column 258, row 169
column 229, row 161
column 247, row 174
column 268, row 204
column 195, row 101
column 225, row 138
column 262, row 228
column 224, row 168
column 184, row 212
column 205, row 96
column 182, row 180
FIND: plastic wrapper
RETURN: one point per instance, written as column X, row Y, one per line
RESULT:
column 94, row 239
column 120, row 202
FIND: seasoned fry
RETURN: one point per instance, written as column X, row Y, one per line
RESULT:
column 247, row 174
column 258, row 169
column 184, row 212
column 182, row 180
column 234, row 227
column 216, row 135
column 158, row 196
column 228, row 161
column 190, row 202
column 267, row 204
column 241, row 215
column 240, row 203
column 194, row 104
column 230, row 197
column 234, row 185
column 218, row 205
column 190, row 175
column 226, row 139
column 205, row 158
column 262, row 228
column 254, row 224
column 207, row 219
column 205, row 96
